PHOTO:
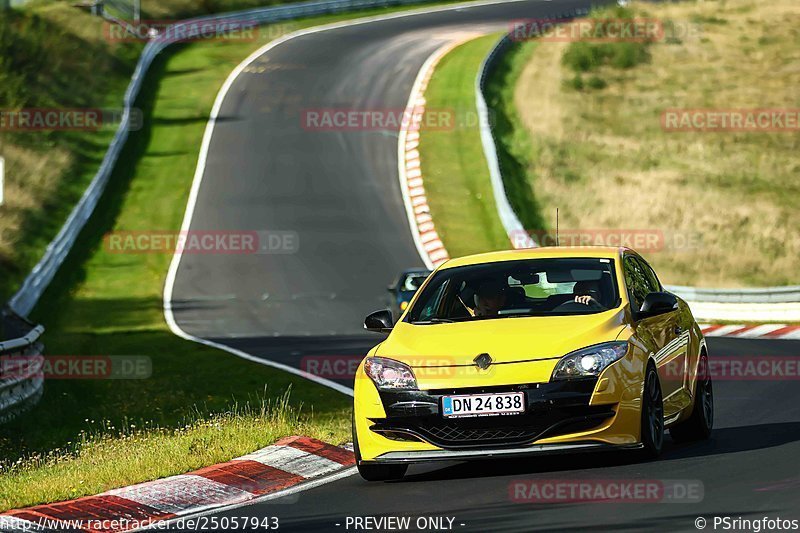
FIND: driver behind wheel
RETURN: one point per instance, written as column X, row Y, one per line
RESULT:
column 587, row 292
column 490, row 298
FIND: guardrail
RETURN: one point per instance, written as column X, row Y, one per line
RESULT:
column 759, row 297
column 508, row 217
column 788, row 294
column 511, row 223
column 42, row 274
column 21, row 362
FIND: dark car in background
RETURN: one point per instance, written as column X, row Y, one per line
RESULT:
column 404, row 287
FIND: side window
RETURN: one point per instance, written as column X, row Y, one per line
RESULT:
column 431, row 307
column 636, row 281
column 652, row 280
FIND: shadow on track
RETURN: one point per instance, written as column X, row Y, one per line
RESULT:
column 739, row 439
column 333, row 357
column 723, row 441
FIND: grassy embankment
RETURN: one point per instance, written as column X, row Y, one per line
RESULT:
column 51, row 56
column 579, row 128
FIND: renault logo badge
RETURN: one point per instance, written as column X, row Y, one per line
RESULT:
column 483, row 361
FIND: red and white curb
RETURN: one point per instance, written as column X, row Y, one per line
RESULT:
column 760, row 331
column 427, row 240
column 289, row 462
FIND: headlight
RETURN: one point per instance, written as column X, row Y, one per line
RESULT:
column 390, row 374
column 590, row 361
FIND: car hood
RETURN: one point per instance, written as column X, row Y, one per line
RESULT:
column 506, row 340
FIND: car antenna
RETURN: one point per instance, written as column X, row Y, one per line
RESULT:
column 557, row 244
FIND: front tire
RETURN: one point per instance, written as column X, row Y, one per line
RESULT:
column 376, row 472
column 700, row 423
column 652, row 429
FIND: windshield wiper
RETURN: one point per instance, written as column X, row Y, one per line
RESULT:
column 494, row 317
column 435, row 321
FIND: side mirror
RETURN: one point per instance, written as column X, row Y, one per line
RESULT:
column 658, row 303
column 379, row 321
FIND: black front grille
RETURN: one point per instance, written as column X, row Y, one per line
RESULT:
column 551, row 409
column 457, row 434
column 494, row 431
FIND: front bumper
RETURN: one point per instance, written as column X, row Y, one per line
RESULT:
column 480, row 454
column 604, row 411
column 552, row 409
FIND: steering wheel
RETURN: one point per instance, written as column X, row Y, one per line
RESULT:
column 572, row 305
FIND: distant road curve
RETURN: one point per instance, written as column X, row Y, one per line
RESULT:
column 262, row 169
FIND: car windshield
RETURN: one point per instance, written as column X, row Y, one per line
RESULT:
column 533, row 287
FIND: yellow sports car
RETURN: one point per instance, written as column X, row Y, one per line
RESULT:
column 536, row 351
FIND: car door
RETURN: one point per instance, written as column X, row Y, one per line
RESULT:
column 674, row 372
column 656, row 332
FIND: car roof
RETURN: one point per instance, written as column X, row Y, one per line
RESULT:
column 546, row 252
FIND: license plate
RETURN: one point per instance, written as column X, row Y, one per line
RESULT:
column 507, row 403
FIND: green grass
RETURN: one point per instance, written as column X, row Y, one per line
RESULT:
column 583, row 57
column 43, row 64
column 142, row 453
column 456, row 176
column 201, row 405
column 453, row 162
column 179, row 9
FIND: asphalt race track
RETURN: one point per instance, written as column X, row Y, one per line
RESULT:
column 748, row 469
column 338, row 192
